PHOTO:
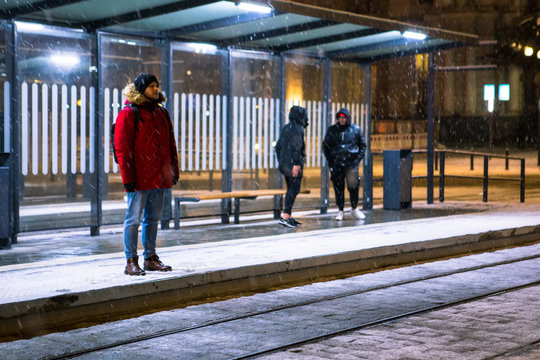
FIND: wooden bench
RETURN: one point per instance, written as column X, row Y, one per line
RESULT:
column 236, row 195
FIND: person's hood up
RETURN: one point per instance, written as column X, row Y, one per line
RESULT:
column 298, row 115
column 136, row 98
column 347, row 114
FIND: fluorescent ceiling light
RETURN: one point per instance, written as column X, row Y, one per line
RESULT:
column 255, row 7
column 29, row 27
column 202, row 48
column 414, row 35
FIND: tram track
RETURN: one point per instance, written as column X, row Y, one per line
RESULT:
column 385, row 320
column 322, row 299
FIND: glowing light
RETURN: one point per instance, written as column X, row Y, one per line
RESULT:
column 67, row 60
column 489, row 96
column 414, row 35
column 202, row 48
column 254, row 7
column 30, row 27
column 504, row 92
column 538, row 54
column 528, row 51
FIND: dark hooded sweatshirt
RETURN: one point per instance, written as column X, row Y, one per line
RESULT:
column 290, row 148
column 344, row 146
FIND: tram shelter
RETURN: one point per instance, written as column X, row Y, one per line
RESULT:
column 56, row 122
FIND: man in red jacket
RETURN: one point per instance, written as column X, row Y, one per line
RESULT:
column 148, row 160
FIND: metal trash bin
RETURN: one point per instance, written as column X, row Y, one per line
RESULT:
column 397, row 179
column 5, row 203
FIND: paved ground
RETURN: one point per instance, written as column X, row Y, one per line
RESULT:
column 73, row 282
column 505, row 323
column 56, row 276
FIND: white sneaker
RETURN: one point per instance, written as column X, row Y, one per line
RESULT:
column 357, row 214
column 339, row 216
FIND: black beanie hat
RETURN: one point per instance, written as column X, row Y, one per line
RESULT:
column 143, row 80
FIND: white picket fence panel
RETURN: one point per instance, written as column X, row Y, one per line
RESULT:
column 199, row 125
column 46, row 144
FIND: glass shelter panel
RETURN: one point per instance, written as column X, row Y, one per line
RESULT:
column 256, row 79
column 56, row 123
column 5, row 134
column 122, row 59
column 304, row 87
column 199, row 113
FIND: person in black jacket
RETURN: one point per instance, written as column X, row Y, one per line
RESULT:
column 291, row 154
column 344, row 148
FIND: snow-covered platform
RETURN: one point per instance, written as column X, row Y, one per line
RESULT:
column 52, row 281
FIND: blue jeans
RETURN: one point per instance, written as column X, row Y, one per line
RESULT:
column 149, row 203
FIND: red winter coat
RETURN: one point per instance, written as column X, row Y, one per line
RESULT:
column 147, row 157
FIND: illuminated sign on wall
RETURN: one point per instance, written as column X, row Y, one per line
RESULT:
column 489, row 94
column 504, row 92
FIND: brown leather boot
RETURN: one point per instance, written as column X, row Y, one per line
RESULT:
column 152, row 263
column 132, row 267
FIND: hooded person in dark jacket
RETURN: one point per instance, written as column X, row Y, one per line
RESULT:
column 344, row 147
column 148, row 161
column 291, row 153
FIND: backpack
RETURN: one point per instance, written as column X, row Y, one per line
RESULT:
column 138, row 118
column 113, row 126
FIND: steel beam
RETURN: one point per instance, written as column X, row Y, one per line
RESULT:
column 312, row 25
column 327, row 40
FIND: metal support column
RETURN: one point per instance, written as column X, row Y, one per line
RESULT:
column 430, row 125
column 96, row 199
column 226, row 177
column 325, row 173
column 278, row 199
column 15, row 129
column 166, row 81
column 367, row 193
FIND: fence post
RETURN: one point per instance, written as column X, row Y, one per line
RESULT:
column 522, row 182
column 486, row 162
column 506, row 159
column 441, row 176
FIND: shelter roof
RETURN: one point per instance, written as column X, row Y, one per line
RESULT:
column 279, row 26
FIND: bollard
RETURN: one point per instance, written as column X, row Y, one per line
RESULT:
column 485, row 192
column 441, row 177
column 522, row 182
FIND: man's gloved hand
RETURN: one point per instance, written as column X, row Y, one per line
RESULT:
column 130, row 187
column 174, row 181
